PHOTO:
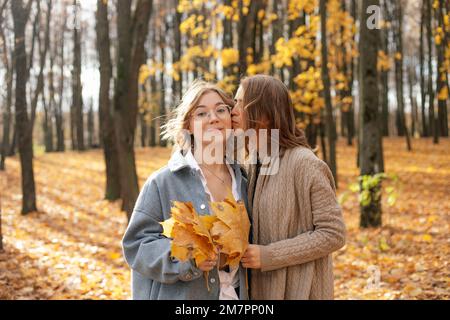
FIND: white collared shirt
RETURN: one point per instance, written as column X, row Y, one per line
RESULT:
column 228, row 280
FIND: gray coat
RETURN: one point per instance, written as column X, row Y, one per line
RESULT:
column 155, row 275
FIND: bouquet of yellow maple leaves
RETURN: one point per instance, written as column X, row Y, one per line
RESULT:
column 201, row 237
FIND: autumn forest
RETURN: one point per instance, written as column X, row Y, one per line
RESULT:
column 86, row 86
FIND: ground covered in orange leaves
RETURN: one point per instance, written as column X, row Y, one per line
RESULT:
column 70, row 249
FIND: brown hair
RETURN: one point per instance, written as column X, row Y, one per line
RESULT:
column 267, row 98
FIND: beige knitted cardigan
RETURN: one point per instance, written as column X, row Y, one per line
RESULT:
column 297, row 219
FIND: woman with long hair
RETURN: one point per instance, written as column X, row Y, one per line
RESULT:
column 205, row 110
column 296, row 220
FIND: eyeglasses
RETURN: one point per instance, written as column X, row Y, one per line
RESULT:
column 221, row 111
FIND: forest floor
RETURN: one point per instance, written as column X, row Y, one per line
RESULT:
column 70, row 249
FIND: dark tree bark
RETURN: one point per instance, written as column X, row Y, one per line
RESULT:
column 246, row 27
column 24, row 134
column 12, row 149
column 76, row 84
column 227, row 40
column 402, row 128
column 153, row 90
column 162, row 84
column 144, row 129
column 9, row 66
column 432, row 119
column 277, row 33
column 7, row 112
column 132, row 30
column 49, row 108
column 350, row 114
column 177, row 85
column 442, row 72
column 58, row 111
column 112, row 188
column 384, row 76
column 43, row 50
column 370, row 132
column 411, row 82
column 91, row 126
column 47, row 126
column 330, row 126
column 422, row 72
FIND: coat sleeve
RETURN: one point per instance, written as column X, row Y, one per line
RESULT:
column 145, row 249
column 328, row 234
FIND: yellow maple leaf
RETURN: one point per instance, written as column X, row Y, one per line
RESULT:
column 190, row 234
column 231, row 230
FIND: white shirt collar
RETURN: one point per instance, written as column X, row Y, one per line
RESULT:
column 191, row 162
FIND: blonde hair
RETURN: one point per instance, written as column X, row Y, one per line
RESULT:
column 174, row 129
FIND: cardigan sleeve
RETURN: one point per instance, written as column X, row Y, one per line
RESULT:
column 145, row 249
column 328, row 234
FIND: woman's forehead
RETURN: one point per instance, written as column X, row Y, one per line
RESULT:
column 210, row 98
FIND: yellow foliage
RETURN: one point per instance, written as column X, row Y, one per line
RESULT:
column 443, row 94
column 199, row 237
column 231, row 230
column 383, row 61
column 229, row 56
column 190, row 237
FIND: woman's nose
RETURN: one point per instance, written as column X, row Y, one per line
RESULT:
column 213, row 117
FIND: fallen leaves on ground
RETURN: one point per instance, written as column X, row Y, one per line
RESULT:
column 70, row 249
column 408, row 257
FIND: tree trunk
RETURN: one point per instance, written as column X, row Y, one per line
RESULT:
column 422, row 72
column 330, row 125
column 47, row 126
column 24, row 134
column 130, row 57
column 412, row 98
column 91, row 126
column 432, row 120
column 42, row 61
column 143, row 130
column 162, row 91
column 369, row 131
column 350, row 115
column 112, row 188
column 58, row 112
column 12, row 149
column 49, row 112
column 76, row 85
column 400, row 115
column 246, row 26
column 385, row 74
column 153, row 90
column 177, row 84
column 277, row 33
column 9, row 66
column 442, row 73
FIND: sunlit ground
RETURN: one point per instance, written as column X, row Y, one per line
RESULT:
column 70, row 249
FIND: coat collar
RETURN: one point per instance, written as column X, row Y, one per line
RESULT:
column 178, row 161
